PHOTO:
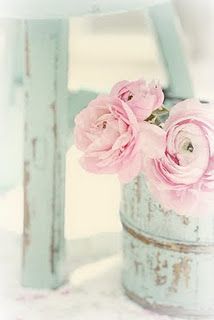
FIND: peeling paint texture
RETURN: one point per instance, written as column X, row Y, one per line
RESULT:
column 45, row 82
column 168, row 258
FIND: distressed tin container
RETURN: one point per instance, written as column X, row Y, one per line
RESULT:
column 168, row 258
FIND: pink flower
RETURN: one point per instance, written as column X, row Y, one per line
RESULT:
column 108, row 133
column 183, row 179
column 142, row 98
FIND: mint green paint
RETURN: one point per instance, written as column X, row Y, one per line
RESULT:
column 77, row 101
column 172, row 270
column 165, row 24
column 45, row 91
column 10, row 114
column 11, row 161
column 59, row 9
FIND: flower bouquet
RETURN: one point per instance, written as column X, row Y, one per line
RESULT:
column 165, row 158
column 123, row 133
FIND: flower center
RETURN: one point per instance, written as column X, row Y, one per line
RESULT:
column 104, row 124
column 190, row 147
column 187, row 146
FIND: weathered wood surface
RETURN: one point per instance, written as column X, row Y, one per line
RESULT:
column 48, row 9
column 10, row 116
column 45, row 85
column 168, row 258
column 168, row 35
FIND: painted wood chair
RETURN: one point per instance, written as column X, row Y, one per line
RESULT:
column 45, row 50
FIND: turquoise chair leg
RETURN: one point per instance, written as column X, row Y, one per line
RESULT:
column 170, row 44
column 10, row 109
column 45, row 139
column 77, row 101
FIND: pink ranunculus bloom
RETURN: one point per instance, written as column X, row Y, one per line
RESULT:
column 183, row 179
column 143, row 98
column 112, row 140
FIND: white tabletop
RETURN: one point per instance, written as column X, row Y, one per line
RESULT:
column 94, row 291
column 54, row 9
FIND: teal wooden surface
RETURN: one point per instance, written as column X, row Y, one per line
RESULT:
column 168, row 258
column 169, row 39
column 10, row 114
column 48, row 9
column 12, row 130
column 45, row 86
column 77, row 101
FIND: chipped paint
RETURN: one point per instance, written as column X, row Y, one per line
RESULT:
column 53, row 248
column 185, row 220
column 44, row 152
column 34, row 144
column 169, row 245
column 138, row 265
column 181, row 270
column 167, row 257
column 27, row 55
column 26, row 235
column 150, row 210
column 137, row 183
column 160, row 279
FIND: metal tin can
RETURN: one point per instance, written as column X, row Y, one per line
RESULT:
column 168, row 258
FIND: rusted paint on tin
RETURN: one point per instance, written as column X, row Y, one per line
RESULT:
column 160, row 279
column 185, row 220
column 181, row 270
column 150, row 210
column 138, row 265
column 173, row 246
column 174, row 255
column 138, row 189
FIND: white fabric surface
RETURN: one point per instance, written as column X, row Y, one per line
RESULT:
column 93, row 292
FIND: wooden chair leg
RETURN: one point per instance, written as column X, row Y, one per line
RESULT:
column 10, row 111
column 45, row 135
column 169, row 40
